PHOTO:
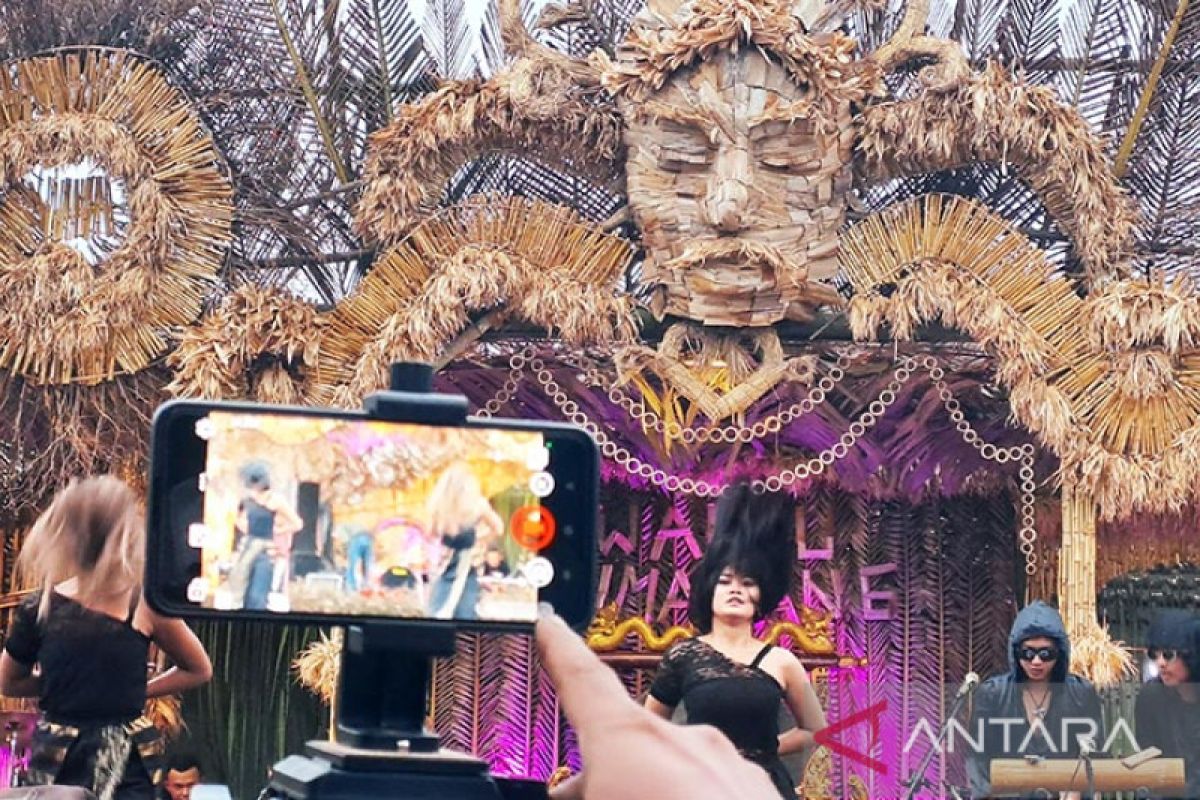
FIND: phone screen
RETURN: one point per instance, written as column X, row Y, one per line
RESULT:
column 328, row 514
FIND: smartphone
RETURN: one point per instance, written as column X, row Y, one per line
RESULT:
column 330, row 517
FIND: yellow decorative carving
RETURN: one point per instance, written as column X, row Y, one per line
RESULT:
column 813, row 635
column 608, row 631
column 560, row 775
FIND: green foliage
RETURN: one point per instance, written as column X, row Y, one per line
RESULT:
column 253, row 713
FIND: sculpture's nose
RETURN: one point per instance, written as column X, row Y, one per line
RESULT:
column 727, row 199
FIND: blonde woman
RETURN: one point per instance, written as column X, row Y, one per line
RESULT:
column 463, row 522
column 80, row 644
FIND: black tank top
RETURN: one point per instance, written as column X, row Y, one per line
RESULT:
column 93, row 665
column 260, row 520
column 740, row 700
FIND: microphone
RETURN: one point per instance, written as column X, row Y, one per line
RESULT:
column 968, row 685
column 917, row 779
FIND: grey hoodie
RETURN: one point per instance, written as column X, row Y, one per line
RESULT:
column 999, row 698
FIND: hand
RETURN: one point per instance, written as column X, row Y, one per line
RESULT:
column 628, row 752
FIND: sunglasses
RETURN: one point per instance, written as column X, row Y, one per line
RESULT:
column 1168, row 654
column 1043, row 654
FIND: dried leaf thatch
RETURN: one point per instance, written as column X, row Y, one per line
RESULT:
column 536, row 109
column 1095, row 656
column 539, row 261
column 49, row 434
column 657, row 47
column 1049, row 144
column 260, row 344
column 1150, row 313
column 146, row 26
column 317, row 666
column 110, row 318
column 1125, row 422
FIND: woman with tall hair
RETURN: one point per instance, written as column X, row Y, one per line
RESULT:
column 1167, row 712
column 463, row 522
column 726, row 677
column 80, row 644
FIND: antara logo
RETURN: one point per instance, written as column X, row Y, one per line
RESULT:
column 1006, row 734
column 826, row 737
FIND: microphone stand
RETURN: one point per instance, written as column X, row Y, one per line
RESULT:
column 1089, row 769
column 917, row 779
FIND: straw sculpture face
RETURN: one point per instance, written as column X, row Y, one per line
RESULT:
column 738, row 192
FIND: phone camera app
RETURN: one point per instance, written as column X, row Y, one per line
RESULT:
column 541, row 484
column 539, row 459
column 205, row 429
column 539, row 571
column 533, row 527
column 197, row 590
column 197, row 535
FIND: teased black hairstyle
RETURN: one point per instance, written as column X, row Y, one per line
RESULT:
column 755, row 535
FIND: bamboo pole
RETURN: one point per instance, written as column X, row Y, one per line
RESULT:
column 1077, row 560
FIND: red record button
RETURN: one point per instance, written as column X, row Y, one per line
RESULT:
column 532, row 527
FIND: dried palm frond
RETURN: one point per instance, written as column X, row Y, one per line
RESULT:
column 318, row 665
column 1123, row 422
column 1155, row 313
column 536, row 106
column 109, row 318
column 1049, row 144
column 54, row 433
column 1098, row 658
column 952, row 257
column 540, row 261
column 259, row 344
column 658, row 47
column 146, row 26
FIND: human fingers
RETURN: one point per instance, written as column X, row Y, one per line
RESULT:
column 590, row 692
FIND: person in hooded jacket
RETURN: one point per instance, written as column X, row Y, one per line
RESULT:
column 1167, row 713
column 1037, row 708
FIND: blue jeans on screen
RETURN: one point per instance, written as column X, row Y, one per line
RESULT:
column 358, row 561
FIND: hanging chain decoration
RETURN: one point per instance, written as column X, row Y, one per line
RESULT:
column 703, row 488
column 730, row 434
column 727, row 434
column 1027, row 532
column 516, row 371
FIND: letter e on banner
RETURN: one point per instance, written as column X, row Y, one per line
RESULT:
column 877, row 605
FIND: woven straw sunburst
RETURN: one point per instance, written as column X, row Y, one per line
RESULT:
column 64, row 319
column 527, row 258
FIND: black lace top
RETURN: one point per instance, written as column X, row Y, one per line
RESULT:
column 740, row 700
column 93, row 665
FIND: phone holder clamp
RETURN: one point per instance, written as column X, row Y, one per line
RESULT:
column 382, row 747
